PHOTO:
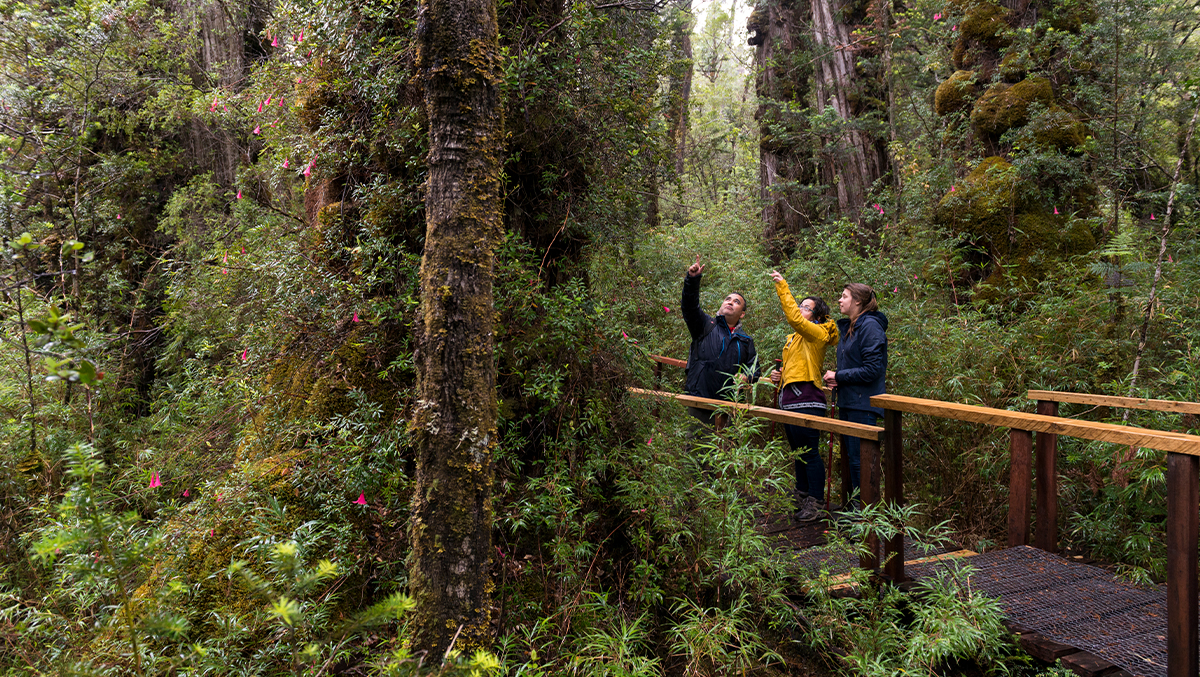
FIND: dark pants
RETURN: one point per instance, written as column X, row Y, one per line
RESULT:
column 810, row 470
column 853, row 452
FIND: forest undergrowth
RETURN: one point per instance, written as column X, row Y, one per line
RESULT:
column 207, row 371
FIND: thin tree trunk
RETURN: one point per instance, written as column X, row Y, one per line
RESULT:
column 1162, row 250
column 455, row 421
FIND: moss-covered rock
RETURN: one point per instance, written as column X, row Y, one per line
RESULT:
column 1004, row 106
column 1072, row 15
column 954, row 93
column 982, row 32
column 1014, row 66
column 981, row 205
column 1057, row 129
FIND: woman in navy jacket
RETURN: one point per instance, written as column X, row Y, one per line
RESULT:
column 861, row 365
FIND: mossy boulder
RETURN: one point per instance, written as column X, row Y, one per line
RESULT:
column 954, row 93
column 1014, row 67
column 980, row 206
column 1057, row 129
column 982, row 32
column 318, row 96
column 1071, row 16
column 1004, row 106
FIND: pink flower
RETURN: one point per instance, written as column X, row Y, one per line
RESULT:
column 281, row 102
column 220, row 498
column 275, row 41
column 212, row 532
column 666, row 309
column 259, row 107
column 1169, row 259
column 257, row 129
column 895, row 289
column 244, row 354
column 185, row 493
column 154, row 481
column 239, row 193
column 299, row 80
column 951, row 189
column 213, row 107
column 937, row 17
column 954, row 27
column 118, row 217
column 224, row 271
column 244, row 251
column 355, row 316
column 285, row 163
column 1056, row 210
column 649, row 441
column 1151, row 216
column 362, row 499
column 269, row 97
column 624, row 334
column 225, row 258
column 293, row 37
column 301, row 35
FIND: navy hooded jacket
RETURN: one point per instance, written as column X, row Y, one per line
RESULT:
column 862, row 361
column 717, row 352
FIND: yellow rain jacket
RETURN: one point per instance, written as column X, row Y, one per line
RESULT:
column 804, row 352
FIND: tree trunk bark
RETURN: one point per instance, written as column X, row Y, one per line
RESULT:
column 786, row 167
column 680, row 92
column 853, row 160
column 455, row 421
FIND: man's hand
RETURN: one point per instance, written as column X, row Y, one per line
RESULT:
column 696, row 268
column 775, row 376
column 831, row 379
column 776, row 276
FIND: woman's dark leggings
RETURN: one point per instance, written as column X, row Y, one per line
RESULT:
column 852, row 443
column 810, row 470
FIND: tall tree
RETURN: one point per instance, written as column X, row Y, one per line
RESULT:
column 455, row 424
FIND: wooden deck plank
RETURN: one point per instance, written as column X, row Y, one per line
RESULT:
column 1175, row 406
column 833, row 425
column 1104, row 432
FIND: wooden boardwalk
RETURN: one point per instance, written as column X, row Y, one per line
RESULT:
column 1058, row 608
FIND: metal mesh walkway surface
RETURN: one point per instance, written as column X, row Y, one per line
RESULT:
column 1069, row 603
column 1076, row 604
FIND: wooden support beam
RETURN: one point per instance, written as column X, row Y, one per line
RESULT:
column 1088, row 430
column 866, row 432
column 844, row 466
column 893, row 491
column 1183, row 522
column 1020, row 486
column 1046, row 532
column 1112, row 401
column 869, row 495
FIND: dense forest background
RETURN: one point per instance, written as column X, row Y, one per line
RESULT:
column 214, row 216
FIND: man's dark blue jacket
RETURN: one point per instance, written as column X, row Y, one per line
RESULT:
column 862, row 361
column 717, row 352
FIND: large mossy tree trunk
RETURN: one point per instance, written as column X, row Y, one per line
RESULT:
column 455, row 420
column 782, row 81
column 854, row 158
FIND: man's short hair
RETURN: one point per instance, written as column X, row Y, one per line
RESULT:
column 745, row 301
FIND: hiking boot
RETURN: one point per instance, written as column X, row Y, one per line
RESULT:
column 809, row 510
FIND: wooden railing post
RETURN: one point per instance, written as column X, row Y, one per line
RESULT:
column 1046, row 534
column 893, row 488
column 1183, row 520
column 869, row 495
column 1020, row 485
column 844, row 464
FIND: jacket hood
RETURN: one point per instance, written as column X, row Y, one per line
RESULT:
column 875, row 315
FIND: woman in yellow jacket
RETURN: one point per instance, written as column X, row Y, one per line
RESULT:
column 800, row 390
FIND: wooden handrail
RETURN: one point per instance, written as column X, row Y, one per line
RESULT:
column 671, row 361
column 1114, row 401
column 833, row 425
column 1104, row 432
